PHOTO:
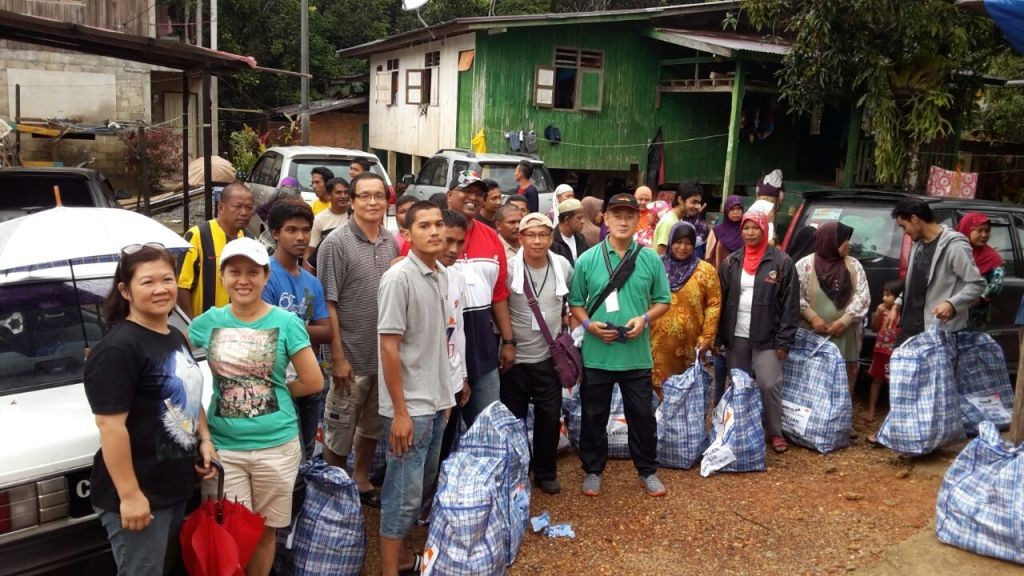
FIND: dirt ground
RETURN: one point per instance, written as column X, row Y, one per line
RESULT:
column 861, row 510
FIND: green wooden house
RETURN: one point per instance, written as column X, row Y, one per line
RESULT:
column 608, row 82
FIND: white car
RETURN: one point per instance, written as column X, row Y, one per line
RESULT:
column 298, row 162
column 48, row 430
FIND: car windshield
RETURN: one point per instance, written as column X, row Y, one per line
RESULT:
column 302, row 169
column 43, row 331
column 875, row 234
column 504, row 175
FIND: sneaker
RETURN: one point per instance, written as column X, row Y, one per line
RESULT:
column 591, row 485
column 654, row 486
column 549, row 486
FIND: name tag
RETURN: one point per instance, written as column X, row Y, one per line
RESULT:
column 533, row 321
column 611, row 303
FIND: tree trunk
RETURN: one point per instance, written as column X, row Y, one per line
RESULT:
column 910, row 175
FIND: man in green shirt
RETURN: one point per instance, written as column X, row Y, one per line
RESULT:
column 617, row 345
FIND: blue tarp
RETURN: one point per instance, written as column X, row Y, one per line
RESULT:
column 1009, row 17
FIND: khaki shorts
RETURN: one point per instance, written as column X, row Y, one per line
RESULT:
column 263, row 480
column 354, row 413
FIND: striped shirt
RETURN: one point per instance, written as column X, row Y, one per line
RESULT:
column 350, row 267
column 485, row 269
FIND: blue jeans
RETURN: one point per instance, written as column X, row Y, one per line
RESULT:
column 309, row 409
column 486, row 390
column 402, row 493
column 142, row 553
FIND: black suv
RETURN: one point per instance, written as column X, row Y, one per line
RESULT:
column 883, row 249
column 27, row 190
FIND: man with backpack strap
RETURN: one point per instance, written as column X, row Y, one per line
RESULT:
column 618, row 289
column 199, row 285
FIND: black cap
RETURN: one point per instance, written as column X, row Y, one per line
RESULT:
column 623, row 201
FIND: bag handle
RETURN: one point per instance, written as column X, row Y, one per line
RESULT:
column 531, row 299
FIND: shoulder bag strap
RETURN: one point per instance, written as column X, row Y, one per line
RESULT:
column 613, row 279
column 531, row 299
column 208, row 268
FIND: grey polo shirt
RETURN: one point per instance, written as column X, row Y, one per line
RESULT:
column 350, row 267
column 414, row 303
column 532, row 346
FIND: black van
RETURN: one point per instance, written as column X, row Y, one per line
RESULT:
column 883, row 249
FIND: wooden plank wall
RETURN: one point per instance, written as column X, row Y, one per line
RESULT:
column 129, row 16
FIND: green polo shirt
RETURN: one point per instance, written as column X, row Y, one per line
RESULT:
column 648, row 284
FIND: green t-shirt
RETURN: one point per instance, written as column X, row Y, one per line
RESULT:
column 663, row 229
column 251, row 408
column 648, row 284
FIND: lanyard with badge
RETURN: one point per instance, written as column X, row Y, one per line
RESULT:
column 534, row 325
column 610, row 295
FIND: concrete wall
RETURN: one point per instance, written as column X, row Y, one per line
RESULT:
column 411, row 128
column 338, row 129
column 88, row 89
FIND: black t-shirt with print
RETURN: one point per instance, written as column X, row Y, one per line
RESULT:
column 154, row 378
column 912, row 320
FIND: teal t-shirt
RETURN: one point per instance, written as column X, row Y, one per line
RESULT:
column 648, row 284
column 251, row 408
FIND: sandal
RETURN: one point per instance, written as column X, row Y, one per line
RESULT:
column 370, row 498
column 415, row 569
column 779, row 444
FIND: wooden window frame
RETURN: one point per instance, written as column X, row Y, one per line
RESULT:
column 421, row 80
column 544, row 91
column 581, row 70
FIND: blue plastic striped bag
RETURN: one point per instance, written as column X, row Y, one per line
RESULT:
column 924, row 407
column 980, row 507
column 468, row 534
column 816, row 408
column 329, row 536
column 737, row 434
column 682, row 435
column 983, row 382
column 497, row 433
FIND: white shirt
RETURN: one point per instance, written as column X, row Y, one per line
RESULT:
column 746, row 302
column 325, row 221
column 456, row 328
column 570, row 241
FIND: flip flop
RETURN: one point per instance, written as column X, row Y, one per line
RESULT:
column 415, row 569
column 370, row 498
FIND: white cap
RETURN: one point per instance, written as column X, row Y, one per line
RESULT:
column 562, row 189
column 247, row 247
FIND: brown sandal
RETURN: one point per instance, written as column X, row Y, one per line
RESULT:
column 779, row 444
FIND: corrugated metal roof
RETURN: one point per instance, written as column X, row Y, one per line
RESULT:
column 324, row 106
column 463, row 25
column 730, row 42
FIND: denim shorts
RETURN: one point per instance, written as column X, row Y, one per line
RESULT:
column 407, row 475
column 142, row 553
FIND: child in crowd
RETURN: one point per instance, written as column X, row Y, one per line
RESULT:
column 885, row 340
column 402, row 205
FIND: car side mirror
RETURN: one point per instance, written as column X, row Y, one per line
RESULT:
column 241, row 175
column 408, row 179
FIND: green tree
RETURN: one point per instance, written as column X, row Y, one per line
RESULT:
column 900, row 60
column 1001, row 116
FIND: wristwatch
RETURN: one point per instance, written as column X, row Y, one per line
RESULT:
column 512, row 342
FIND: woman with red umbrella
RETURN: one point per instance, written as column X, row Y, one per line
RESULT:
column 145, row 389
column 252, row 416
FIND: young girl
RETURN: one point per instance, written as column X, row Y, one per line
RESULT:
column 885, row 341
column 145, row 389
column 252, row 417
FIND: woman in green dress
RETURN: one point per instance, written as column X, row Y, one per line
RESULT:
column 834, row 296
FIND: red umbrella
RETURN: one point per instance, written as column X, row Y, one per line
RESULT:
column 219, row 537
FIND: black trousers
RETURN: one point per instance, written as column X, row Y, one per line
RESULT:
column 596, row 399
column 536, row 383
column 451, row 428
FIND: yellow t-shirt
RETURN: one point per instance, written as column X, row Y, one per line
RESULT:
column 319, row 206
column 190, row 277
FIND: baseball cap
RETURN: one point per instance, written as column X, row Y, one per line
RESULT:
column 248, row 247
column 535, row 219
column 623, row 201
column 463, row 180
column 569, row 205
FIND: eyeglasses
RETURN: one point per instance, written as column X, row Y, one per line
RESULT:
column 372, row 197
column 536, row 236
column 135, row 248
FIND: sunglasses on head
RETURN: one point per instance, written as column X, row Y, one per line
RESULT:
column 135, row 248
